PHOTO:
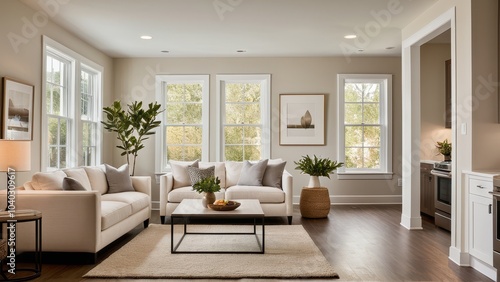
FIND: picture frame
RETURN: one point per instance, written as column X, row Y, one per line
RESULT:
column 17, row 110
column 302, row 119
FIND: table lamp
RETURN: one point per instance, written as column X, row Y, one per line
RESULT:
column 16, row 155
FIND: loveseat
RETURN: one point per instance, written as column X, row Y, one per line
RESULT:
column 83, row 209
column 271, row 184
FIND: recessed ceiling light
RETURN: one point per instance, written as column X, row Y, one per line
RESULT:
column 361, row 50
column 165, row 51
column 241, row 51
column 147, row 37
column 350, row 36
column 389, row 48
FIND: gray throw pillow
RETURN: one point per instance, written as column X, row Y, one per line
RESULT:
column 273, row 175
column 252, row 174
column 118, row 179
column 197, row 174
column 71, row 184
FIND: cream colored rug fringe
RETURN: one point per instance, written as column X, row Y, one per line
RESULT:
column 290, row 253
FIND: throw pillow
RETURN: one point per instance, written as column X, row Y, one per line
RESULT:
column 233, row 171
column 273, row 175
column 97, row 178
column 197, row 174
column 118, row 179
column 48, row 180
column 79, row 175
column 252, row 174
column 72, row 184
column 179, row 171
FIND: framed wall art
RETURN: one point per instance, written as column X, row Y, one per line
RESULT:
column 17, row 110
column 302, row 119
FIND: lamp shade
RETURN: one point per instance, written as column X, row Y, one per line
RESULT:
column 15, row 154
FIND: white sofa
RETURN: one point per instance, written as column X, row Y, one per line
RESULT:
column 275, row 201
column 83, row 221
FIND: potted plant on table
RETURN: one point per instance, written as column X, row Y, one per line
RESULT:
column 315, row 200
column 444, row 149
column 208, row 186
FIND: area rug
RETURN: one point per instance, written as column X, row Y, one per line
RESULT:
column 289, row 253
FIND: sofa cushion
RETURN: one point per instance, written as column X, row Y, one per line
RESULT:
column 179, row 194
column 71, row 184
column 233, row 170
column 264, row 194
column 118, row 179
column 137, row 200
column 79, row 175
column 273, row 175
column 48, row 180
column 97, row 179
column 179, row 171
column 113, row 212
column 196, row 174
column 252, row 173
column 220, row 170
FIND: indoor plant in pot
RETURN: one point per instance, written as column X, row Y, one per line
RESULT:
column 444, row 149
column 133, row 126
column 315, row 200
column 316, row 167
column 208, row 186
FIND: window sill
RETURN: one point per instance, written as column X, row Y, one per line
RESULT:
column 365, row 175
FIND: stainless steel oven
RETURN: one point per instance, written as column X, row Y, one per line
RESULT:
column 496, row 225
column 442, row 190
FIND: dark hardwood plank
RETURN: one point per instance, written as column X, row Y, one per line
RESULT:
column 362, row 243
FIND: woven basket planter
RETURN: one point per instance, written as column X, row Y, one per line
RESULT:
column 314, row 202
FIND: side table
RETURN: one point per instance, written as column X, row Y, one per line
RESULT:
column 11, row 219
column 314, row 202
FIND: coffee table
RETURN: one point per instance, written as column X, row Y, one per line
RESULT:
column 193, row 208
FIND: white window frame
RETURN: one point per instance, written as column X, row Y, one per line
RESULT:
column 265, row 107
column 385, row 170
column 74, row 148
column 161, row 163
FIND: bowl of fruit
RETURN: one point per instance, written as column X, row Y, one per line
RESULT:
column 224, row 205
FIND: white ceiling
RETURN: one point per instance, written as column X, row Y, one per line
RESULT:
column 214, row 28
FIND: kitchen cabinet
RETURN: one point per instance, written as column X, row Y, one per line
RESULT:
column 480, row 229
column 426, row 189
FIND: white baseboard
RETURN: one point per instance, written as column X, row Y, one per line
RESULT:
column 155, row 205
column 458, row 257
column 360, row 199
column 484, row 268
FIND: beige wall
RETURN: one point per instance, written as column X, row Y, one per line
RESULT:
column 134, row 80
column 432, row 99
column 25, row 64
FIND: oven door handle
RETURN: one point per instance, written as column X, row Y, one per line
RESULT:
column 441, row 174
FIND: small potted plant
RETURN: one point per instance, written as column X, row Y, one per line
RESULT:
column 316, row 167
column 444, row 149
column 209, row 186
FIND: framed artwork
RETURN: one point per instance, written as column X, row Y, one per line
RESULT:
column 302, row 119
column 17, row 110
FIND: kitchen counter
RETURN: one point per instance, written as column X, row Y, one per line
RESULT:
column 483, row 173
column 429, row 162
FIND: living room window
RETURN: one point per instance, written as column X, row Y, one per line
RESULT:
column 365, row 126
column 185, row 122
column 70, row 116
column 243, row 117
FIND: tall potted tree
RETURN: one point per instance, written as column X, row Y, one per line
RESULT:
column 314, row 199
column 133, row 126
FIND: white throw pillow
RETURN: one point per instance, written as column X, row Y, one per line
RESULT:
column 233, row 170
column 179, row 171
column 48, row 180
column 97, row 179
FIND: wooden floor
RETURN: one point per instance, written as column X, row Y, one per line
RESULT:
column 362, row 243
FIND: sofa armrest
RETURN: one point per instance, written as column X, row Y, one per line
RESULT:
column 166, row 185
column 287, row 185
column 71, row 219
column 142, row 184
